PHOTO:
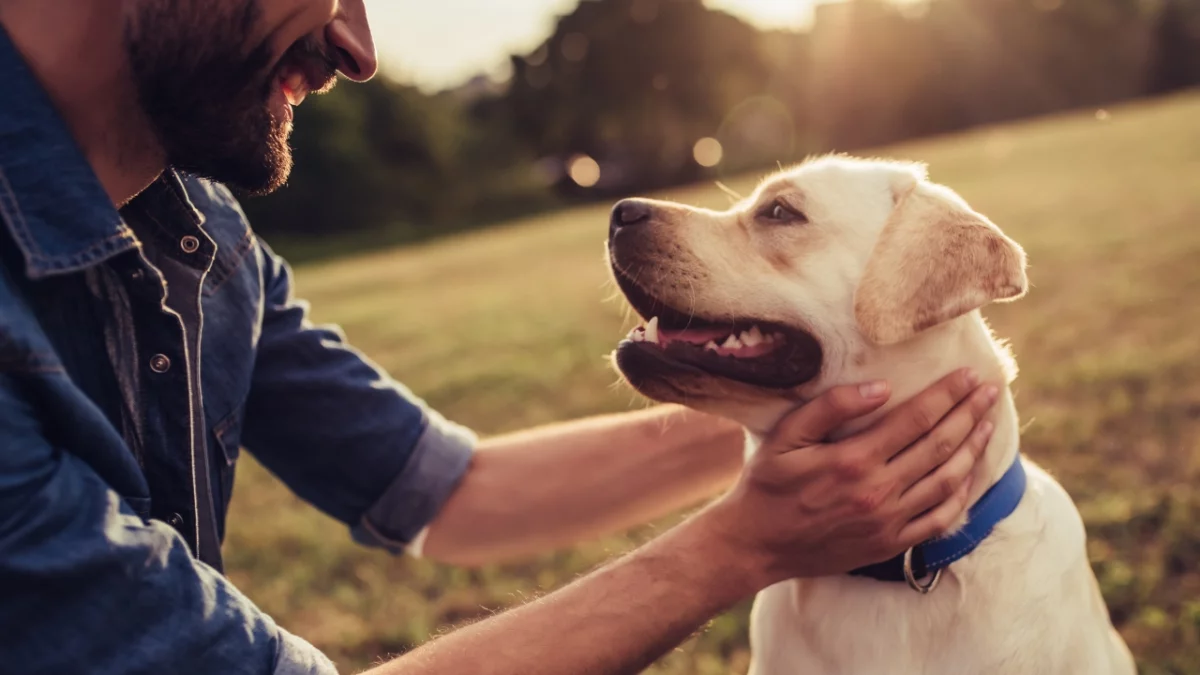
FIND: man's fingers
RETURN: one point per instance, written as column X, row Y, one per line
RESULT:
column 939, row 445
column 937, row 522
column 920, row 414
column 812, row 423
column 942, row 484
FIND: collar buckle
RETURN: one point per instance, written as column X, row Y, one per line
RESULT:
column 914, row 583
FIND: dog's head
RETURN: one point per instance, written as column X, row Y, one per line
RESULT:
column 766, row 304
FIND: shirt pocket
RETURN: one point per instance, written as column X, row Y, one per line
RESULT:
column 227, row 439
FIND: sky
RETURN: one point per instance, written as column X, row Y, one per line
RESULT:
column 441, row 43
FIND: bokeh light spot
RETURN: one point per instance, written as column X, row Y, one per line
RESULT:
column 644, row 11
column 708, row 152
column 584, row 170
column 574, row 47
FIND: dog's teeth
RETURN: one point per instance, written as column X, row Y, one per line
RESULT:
column 732, row 342
column 752, row 337
column 652, row 330
column 638, row 335
column 711, row 346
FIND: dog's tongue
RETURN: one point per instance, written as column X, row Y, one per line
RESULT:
column 696, row 336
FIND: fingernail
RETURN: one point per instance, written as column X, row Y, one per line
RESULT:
column 986, row 429
column 873, row 389
column 971, row 377
column 992, row 393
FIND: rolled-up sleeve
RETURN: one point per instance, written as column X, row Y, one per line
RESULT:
column 89, row 587
column 342, row 433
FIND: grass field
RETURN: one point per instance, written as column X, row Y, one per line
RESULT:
column 508, row 327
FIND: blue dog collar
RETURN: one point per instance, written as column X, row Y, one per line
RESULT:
column 931, row 557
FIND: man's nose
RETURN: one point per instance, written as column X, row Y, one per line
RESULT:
column 350, row 35
column 629, row 212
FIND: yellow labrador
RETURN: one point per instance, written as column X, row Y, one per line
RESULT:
column 841, row 271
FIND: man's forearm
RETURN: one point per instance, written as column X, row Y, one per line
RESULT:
column 560, row 484
column 616, row 620
column 802, row 508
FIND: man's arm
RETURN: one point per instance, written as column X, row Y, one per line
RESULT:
column 355, row 443
column 553, row 486
column 800, row 509
column 87, row 586
column 620, row 619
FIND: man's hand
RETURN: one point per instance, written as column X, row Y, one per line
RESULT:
column 807, row 508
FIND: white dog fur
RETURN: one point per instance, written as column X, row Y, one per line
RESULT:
column 887, row 271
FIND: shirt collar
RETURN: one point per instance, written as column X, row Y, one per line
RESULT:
column 52, row 202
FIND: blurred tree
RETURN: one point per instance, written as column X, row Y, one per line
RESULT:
column 634, row 84
column 1176, row 60
column 382, row 156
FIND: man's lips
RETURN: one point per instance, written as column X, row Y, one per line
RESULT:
column 294, row 84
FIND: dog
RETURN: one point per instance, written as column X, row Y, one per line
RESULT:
column 844, row 270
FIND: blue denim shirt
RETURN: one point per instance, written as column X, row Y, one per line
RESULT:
column 117, row 458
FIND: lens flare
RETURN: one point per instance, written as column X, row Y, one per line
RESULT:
column 708, row 152
column 584, row 170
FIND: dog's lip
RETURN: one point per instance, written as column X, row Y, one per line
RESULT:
column 648, row 306
column 794, row 359
column 798, row 362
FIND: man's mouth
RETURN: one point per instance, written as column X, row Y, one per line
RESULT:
column 306, row 68
column 294, row 84
column 747, row 350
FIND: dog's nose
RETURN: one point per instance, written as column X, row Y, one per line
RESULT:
column 630, row 212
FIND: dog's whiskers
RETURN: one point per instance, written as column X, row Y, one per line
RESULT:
column 733, row 195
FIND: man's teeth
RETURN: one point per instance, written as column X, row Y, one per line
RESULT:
column 294, row 86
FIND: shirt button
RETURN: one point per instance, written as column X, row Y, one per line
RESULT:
column 175, row 521
column 137, row 275
column 159, row 363
column 189, row 244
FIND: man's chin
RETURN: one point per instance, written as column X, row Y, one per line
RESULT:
column 253, row 173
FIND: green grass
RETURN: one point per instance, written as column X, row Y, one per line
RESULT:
column 508, row 327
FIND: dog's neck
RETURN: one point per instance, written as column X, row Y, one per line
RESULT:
column 912, row 366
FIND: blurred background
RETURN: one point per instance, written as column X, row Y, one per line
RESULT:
column 450, row 216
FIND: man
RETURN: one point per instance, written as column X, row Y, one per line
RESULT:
column 146, row 335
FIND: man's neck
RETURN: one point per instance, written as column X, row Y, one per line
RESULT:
column 76, row 52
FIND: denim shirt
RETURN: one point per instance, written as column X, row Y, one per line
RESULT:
column 139, row 350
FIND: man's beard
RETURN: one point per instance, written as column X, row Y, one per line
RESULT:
column 206, row 91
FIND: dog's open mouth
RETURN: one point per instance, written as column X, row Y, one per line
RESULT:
column 747, row 350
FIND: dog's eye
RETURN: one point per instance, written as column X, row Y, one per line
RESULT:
column 780, row 212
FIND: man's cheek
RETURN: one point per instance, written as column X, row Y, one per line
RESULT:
column 287, row 21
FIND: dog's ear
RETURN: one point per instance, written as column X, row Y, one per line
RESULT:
column 935, row 260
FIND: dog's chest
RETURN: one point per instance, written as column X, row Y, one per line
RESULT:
column 860, row 627
column 1019, row 604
